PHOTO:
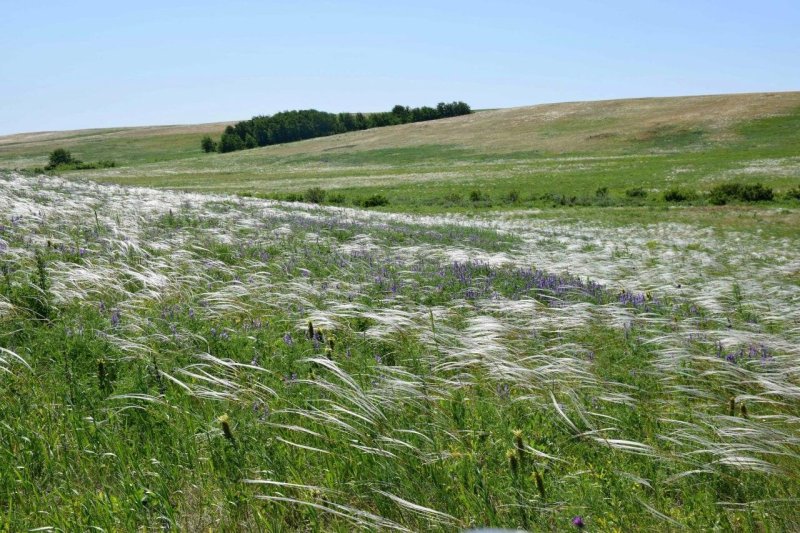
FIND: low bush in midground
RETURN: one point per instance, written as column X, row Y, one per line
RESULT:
column 376, row 200
column 723, row 193
column 677, row 195
column 61, row 159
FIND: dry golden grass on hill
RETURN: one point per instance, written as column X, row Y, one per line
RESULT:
column 559, row 127
column 71, row 136
column 563, row 127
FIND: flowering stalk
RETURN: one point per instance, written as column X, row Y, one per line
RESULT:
column 224, row 421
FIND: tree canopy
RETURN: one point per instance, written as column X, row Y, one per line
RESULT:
column 290, row 126
column 60, row 157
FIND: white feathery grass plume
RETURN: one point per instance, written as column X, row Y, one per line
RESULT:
column 430, row 514
column 7, row 357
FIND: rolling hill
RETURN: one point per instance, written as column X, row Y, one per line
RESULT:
column 561, row 150
column 132, row 145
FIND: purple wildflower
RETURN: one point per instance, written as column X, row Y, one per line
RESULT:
column 115, row 317
column 578, row 522
column 504, row 391
column 765, row 353
column 287, row 339
column 263, row 409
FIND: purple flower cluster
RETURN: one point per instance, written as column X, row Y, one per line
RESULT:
column 262, row 409
column 636, row 299
column 484, row 281
column 752, row 352
column 219, row 334
column 69, row 250
column 169, row 312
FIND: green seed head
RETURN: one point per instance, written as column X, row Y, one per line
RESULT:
column 103, row 379
column 539, row 483
column 519, row 444
column 224, row 421
column 513, row 462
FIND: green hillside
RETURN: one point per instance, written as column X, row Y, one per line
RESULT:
column 566, row 317
column 538, row 156
column 126, row 146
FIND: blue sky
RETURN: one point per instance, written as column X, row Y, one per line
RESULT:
column 69, row 65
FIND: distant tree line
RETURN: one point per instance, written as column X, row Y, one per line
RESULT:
column 289, row 126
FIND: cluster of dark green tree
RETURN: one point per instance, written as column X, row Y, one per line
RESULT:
column 289, row 126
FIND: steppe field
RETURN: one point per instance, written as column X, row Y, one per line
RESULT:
column 556, row 321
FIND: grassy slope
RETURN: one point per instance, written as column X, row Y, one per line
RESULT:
column 567, row 149
column 126, row 146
